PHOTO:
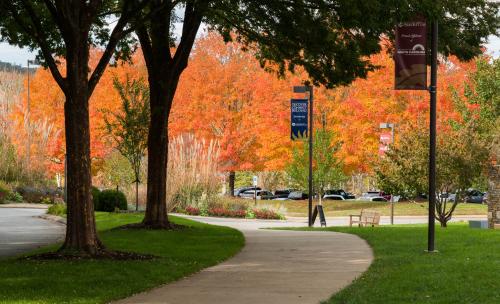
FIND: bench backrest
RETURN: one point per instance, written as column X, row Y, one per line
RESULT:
column 370, row 216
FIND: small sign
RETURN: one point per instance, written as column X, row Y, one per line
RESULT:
column 385, row 141
column 255, row 180
column 299, row 116
column 319, row 210
column 410, row 59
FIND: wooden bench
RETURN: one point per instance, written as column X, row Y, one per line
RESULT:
column 366, row 218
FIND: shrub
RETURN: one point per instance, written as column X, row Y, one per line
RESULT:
column 267, row 214
column 15, row 197
column 192, row 210
column 57, row 209
column 109, row 200
column 223, row 212
column 95, row 198
column 4, row 192
column 37, row 195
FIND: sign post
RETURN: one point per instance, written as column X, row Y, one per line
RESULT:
column 254, row 183
column 310, row 134
column 411, row 74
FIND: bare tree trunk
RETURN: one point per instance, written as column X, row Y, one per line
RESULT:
column 232, row 178
column 164, row 71
column 136, row 194
column 156, row 208
column 81, row 235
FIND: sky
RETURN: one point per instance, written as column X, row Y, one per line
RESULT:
column 19, row 56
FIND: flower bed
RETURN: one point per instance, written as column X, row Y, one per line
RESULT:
column 241, row 213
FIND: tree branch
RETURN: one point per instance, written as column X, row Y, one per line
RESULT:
column 41, row 39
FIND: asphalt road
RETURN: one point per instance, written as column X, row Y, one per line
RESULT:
column 21, row 231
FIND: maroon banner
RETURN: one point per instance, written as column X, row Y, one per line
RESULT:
column 411, row 70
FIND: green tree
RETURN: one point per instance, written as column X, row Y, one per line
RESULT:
column 327, row 168
column 483, row 91
column 461, row 158
column 129, row 129
column 67, row 30
column 331, row 40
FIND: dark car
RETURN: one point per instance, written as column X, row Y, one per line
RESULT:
column 340, row 192
column 474, row 197
column 282, row 193
column 298, row 195
column 239, row 191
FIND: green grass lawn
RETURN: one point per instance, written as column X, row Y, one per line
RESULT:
column 465, row 270
column 181, row 252
column 344, row 208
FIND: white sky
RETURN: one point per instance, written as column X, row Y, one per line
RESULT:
column 16, row 55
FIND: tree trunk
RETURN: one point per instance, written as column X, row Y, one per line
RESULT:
column 232, row 178
column 136, row 194
column 81, row 235
column 164, row 71
column 156, row 208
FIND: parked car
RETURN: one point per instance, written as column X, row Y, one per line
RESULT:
column 282, row 193
column 261, row 194
column 341, row 192
column 375, row 196
column 333, row 197
column 239, row 191
column 475, row 197
column 298, row 195
column 451, row 197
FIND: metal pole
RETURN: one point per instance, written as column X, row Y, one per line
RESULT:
column 392, row 196
column 28, row 140
column 432, row 143
column 310, row 89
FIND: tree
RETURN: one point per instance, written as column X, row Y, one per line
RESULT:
column 461, row 158
column 64, row 31
column 331, row 40
column 327, row 168
column 129, row 129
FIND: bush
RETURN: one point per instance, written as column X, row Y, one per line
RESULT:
column 15, row 197
column 192, row 210
column 57, row 209
column 4, row 192
column 267, row 214
column 109, row 200
column 39, row 195
column 223, row 212
column 95, row 198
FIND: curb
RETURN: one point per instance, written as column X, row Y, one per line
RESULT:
column 24, row 205
column 53, row 218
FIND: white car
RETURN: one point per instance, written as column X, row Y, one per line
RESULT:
column 333, row 197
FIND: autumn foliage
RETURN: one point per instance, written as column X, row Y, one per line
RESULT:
column 225, row 96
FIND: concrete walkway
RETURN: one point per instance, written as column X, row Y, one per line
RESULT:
column 274, row 267
column 21, row 231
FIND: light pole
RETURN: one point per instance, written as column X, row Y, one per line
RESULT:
column 386, row 125
column 28, row 140
column 305, row 89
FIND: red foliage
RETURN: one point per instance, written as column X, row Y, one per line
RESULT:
column 192, row 210
column 223, row 212
column 266, row 214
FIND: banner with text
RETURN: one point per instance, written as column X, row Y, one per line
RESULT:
column 411, row 41
column 299, row 117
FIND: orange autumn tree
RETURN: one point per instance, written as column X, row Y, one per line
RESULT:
column 47, row 115
column 224, row 95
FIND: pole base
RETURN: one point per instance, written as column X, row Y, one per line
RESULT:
column 434, row 251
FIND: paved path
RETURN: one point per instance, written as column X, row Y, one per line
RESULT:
column 21, row 230
column 274, row 267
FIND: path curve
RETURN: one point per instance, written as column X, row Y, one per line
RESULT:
column 21, row 230
column 275, row 266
